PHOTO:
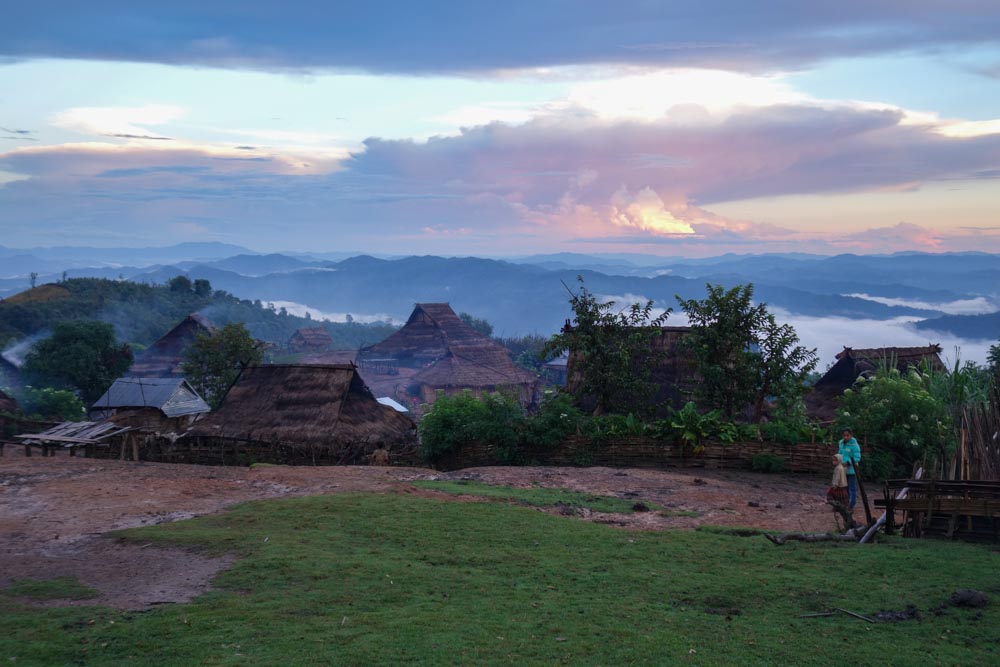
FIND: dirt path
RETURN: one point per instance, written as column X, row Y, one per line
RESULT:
column 55, row 512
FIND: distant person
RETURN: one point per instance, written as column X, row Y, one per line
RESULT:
column 838, row 484
column 849, row 449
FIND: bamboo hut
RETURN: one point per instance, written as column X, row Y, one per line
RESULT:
column 300, row 414
column 313, row 339
column 821, row 402
column 165, row 357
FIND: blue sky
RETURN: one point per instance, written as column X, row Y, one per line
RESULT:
column 474, row 128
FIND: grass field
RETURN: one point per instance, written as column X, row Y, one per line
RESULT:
column 392, row 579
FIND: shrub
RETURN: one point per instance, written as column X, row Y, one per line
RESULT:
column 50, row 404
column 767, row 463
column 456, row 421
column 556, row 419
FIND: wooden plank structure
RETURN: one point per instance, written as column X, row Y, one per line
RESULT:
column 71, row 435
column 952, row 509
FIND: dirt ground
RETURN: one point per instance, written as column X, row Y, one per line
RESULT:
column 55, row 512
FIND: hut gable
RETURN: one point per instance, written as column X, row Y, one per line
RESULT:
column 429, row 333
column 165, row 357
column 305, row 406
column 313, row 339
column 174, row 397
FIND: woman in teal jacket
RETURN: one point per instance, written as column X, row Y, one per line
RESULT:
column 849, row 449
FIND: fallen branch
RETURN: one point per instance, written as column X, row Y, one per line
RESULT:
column 810, row 537
column 822, row 613
column 851, row 613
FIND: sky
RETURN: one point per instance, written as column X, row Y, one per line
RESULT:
column 688, row 128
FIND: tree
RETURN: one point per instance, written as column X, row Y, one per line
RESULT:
column 33, row 279
column 214, row 361
column 612, row 352
column 742, row 354
column 82, row 355
column 480, row 325
column 51, row 404
column 180, row 284
column 202, row 287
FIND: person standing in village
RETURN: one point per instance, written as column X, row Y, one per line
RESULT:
column 850, row 450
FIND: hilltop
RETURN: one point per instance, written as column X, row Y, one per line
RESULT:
column 141, row 313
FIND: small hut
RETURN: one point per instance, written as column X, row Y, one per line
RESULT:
column 165, row 357
column 821, row 402
column 428, row 335
column 304, row 414
column 313, row 339
column 151, row 402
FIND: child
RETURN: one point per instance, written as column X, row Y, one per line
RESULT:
column 838, row 485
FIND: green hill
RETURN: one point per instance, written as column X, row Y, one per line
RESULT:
column 142, row 313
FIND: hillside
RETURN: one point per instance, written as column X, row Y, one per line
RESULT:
column 142, row 313
column 974, row 327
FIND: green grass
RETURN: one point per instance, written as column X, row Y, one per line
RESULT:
column 391, row 579
column 57, row 588
column 536, row 496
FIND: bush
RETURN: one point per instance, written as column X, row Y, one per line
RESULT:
column 767, row 463
column 556, row 419
column 457, row 421
column 877, row 466
column 50, row 404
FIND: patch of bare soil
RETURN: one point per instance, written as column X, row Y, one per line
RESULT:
column 55, row 512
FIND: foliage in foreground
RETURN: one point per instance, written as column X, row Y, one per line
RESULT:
column 379, row 580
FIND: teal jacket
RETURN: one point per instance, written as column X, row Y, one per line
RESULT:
column 851, row 452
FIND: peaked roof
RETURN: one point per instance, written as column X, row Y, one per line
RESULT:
column 165, row 357
column 903, row 357
column 174, row 397
column 304, row 405
column 314, row 335
column 429, row 332
column 474, row 366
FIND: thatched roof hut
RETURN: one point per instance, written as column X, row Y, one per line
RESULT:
column 165, row 357
column 428, row 335
column 852, row 363
column 448, row 356
column 299, row 413
column 312, row 339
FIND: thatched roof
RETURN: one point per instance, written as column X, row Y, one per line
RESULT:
column 174, row 397
column 474, row 366
column 852, row 363
column 902, row 357
column 429, row 334
column 7, row 403
column 310, row 338
column 305, row 405
column 165, row 357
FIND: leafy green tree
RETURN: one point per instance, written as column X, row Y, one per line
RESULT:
column 82, row 355
column 50, row 404
column 214, row 361
column 180, row 284
column 612, row 352
column 453, row 422
column 898, row 414
column 742, row 354
column 202, row 287
column 479, row 324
